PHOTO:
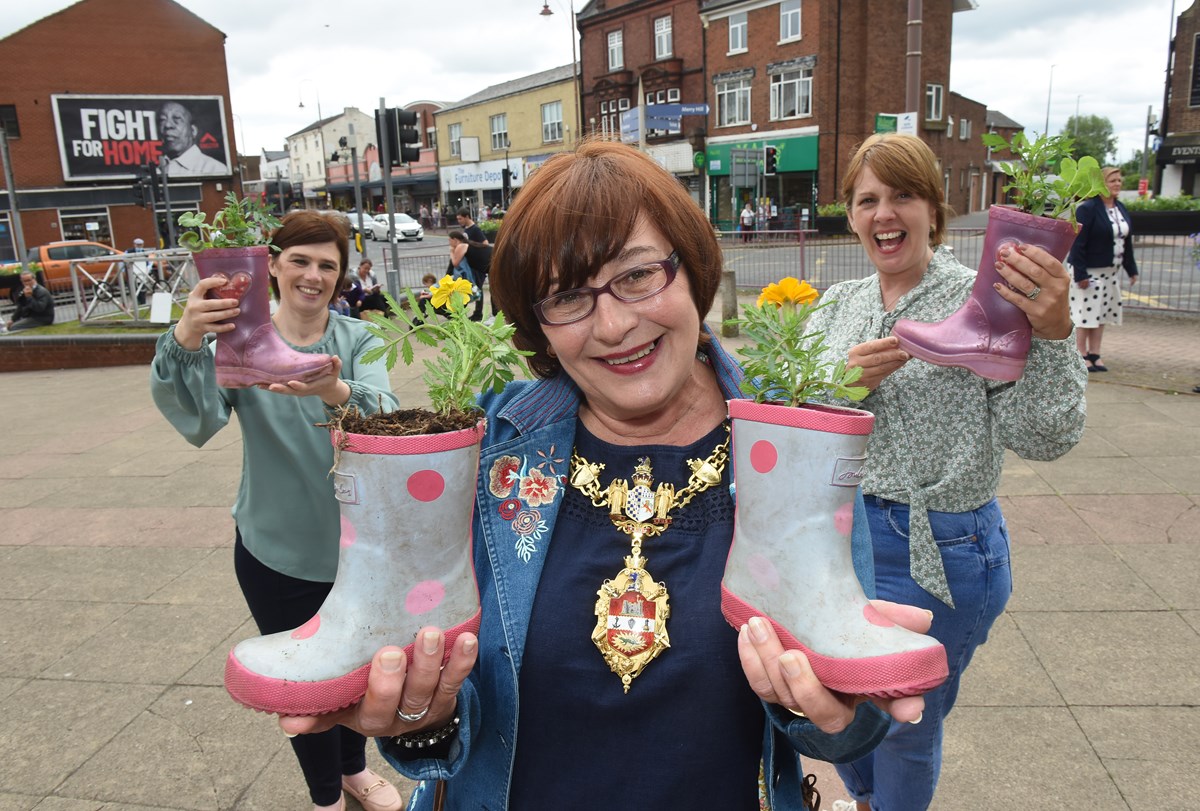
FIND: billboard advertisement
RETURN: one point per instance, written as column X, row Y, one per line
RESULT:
column 109, row 137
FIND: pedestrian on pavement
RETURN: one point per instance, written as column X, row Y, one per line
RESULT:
column 747, row 223
column 612, row 303
column 934, row 459
column 287, row 521
column 35, row 305
column 1103, row 247
column 372, row 295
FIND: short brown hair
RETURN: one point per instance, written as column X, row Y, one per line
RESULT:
column 310, row 228
column 906, row 163
column 574, row 215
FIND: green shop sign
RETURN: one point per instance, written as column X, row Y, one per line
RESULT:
column 793, row 154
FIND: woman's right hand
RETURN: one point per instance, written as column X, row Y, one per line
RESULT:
column 1083, row 283
column 877, row 359
column 394, row 685
column 202, row 315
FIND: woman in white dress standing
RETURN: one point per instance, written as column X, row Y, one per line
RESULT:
column 1102, row 248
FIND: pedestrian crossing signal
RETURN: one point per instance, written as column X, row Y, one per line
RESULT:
column 770, row 157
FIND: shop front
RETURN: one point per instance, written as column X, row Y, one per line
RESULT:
column 781, row 202
column 475, row 185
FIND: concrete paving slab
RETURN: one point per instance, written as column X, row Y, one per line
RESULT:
column 174, row 527
column 209, row 581
column 1192, row 618
column 1018, row 478
column 19, row 465
column 1149, row 785
column 1179, row 408
column 1099, row 476
column 1135, row 518
column 97, row 574
column 37, row 633
column 1116, row 658
column 42, row 715
column 211, row 669
column 1155, row 439
column 1068, row 578
column 1165, row 734
column 69, row 804
column 1036, row 520
column 1005, row 758
column 1005, row 673
column 17, row 532
column 1181, row 472
column 1118, row 416
column 26, row 491
column 1094, row 445
column 150, row 644
column 1170, row 570
column 10, row 685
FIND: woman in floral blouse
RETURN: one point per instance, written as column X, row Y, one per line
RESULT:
column 940, row 433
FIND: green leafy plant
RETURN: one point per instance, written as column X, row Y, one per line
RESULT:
column 1036, row 190
column 1183, row 202
column 784, row 362
column 20, row 267
column 831, row 210
column 475, row 355
column 242, row 223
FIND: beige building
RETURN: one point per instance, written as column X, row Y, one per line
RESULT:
column 310, row 148
column 515, row 125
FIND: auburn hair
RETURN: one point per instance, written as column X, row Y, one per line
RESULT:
column 311, row 228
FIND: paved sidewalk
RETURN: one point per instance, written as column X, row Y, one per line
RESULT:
column 119, row 605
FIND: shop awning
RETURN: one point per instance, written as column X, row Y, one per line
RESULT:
column 1181, row 148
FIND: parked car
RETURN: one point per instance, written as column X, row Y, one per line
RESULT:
column 55, row 259
column 406, row 228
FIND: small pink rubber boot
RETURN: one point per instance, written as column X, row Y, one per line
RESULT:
column 253, row 353
column 796, row 470
column 988, row 335
column 405, row 562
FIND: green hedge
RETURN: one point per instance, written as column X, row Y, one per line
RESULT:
column 1183, row 202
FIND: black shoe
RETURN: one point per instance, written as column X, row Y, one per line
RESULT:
column 1196, row 390
column 1093, row 366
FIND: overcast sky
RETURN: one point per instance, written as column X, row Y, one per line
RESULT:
column 1109, row 56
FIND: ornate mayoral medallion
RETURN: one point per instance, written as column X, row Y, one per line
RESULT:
column 632, row 608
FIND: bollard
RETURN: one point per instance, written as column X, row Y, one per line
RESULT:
column 728, row 303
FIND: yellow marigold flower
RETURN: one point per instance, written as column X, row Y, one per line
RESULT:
column 448, row 286
column 788, row 291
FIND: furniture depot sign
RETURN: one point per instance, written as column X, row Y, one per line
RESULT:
column 483, row 175
column 109, row 137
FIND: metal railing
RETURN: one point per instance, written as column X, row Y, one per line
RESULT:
column 1169, row 280
column 123, row 289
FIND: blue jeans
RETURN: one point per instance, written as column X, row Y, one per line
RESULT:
column 902, row 773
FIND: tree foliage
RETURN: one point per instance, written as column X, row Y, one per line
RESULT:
column 1093, row 135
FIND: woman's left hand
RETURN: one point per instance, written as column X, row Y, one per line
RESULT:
column 1031, row 270
column 785, row 677
column 332, row 390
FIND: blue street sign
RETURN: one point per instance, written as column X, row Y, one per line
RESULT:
column 675, row 110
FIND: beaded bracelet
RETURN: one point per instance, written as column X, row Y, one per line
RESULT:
column 423, row 740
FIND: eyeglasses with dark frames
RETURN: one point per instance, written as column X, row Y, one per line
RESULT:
column 634, row 284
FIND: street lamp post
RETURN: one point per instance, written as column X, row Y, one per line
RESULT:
column 575, row 66
column 320, row 131
column 1049, row 90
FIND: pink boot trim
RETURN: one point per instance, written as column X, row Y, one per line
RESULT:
column 286, row 697
column 891, row 676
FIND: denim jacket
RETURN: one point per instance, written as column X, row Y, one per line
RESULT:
column 532, row 424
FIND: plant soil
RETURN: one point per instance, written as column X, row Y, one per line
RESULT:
column 404, row 422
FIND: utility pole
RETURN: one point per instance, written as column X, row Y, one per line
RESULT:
column 166, row 192
column 11, row 185
column 352, row 141
column 385, row 159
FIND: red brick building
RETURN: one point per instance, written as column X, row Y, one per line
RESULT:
column 1179, row 153
column 654, row 45
column 83, row 95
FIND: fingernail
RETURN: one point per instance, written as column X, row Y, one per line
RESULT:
column 904, row 356
column 791, row 667
column 917, row 720
column 1006, row 251
column 469, row 645
column 287, row 734
column 430, row 642
column 758, row 630
column 390, row 661
column 930, row 613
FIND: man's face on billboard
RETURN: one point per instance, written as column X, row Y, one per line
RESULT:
column 175, row 128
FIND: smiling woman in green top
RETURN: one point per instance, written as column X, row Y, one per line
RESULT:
column 286, row 517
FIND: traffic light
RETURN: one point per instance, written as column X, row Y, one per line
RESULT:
column 397, row 131
column 144, row 185
column 506, row 176
column 770, row 158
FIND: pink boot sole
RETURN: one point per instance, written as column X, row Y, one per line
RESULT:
column 238, row 377
column 993, row 367
column 306, row 698
column 892, row 676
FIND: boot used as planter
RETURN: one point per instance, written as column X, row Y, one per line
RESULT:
column 988, row 335
column 405, row 562
column 795, row 471
column 253, row 354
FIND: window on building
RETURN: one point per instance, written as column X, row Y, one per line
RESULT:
column 93, row 225
column 622, row 104
column 8, row 247
column 455, row 138
column 672, row 94
column 499, row 125
column 8, row 120
column 933, row 102
column 964, row 129
column 616, row 50
column 552, row 122
column 791, row 94
column 737, row 32
column 662, row 38
column 733, row 102
column 431, row 138
column 789, row 20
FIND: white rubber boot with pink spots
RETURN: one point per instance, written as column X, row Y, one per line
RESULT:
column 405, row 562
column 796, row 470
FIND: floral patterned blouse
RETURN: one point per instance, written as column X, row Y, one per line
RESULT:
column 940, row 432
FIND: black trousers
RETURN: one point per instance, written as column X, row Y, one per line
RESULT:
column 280, row 603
